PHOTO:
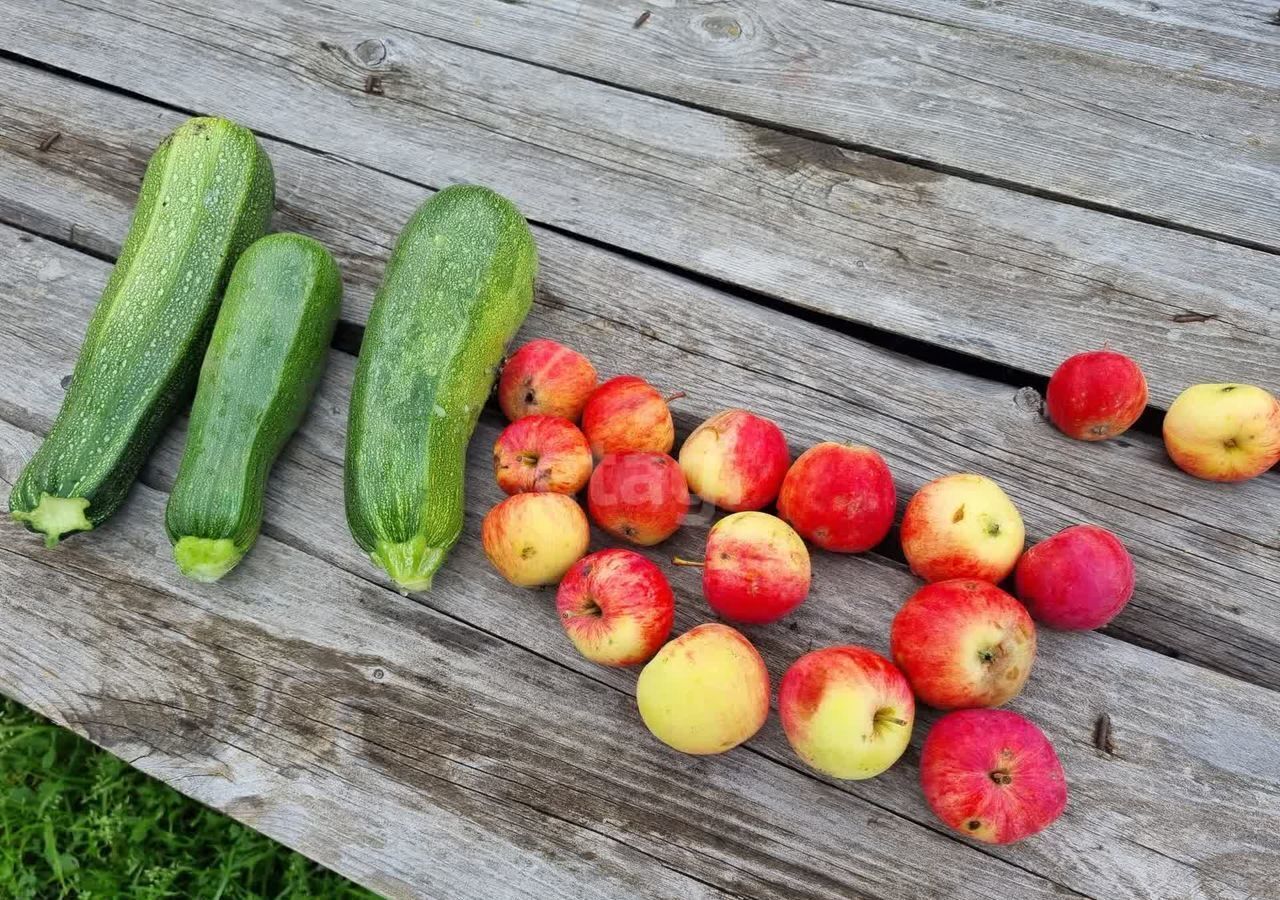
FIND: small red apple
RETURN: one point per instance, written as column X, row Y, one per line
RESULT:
column 616, row 606
column 736, row 460
column 992, row 775
column 545, row 378
column 627, row 413
column 639, row 497
column 840, row 496
column 541, row 453
column 1097, row 395
column 1078, row 579
column 756, row 570
column 963, row 643
column 533, row 539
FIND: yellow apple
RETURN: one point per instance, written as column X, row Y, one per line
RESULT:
column 962, row 526
column 1223, row 432
column 533, row 539
column 705, row 692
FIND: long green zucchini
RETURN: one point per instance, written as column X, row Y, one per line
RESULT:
column 264, row 361
column 457, row 287
column 207, row 194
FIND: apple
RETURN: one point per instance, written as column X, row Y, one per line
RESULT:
column 992, row 775
column 544, row 378
column 541, row 453
column 1097, row 395
column 840, row 496
column 847, row 711
column 756, row 568
column 1078, row 579
column 963, row 643
column 638, row 497
column 962, row 526
column 628, row 413
column 533, row 539
column 616, row 606
column 1223, row 432
column 705, row 692
column 736, row 460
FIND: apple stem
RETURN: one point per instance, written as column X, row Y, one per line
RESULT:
column 692, row 563
column 676, row 396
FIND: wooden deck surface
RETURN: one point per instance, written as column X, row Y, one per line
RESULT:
column 885, row 221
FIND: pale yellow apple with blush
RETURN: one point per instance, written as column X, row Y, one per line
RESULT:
column 1223, row 432
column 962, row 526
column 533, row 539
column 705, row 692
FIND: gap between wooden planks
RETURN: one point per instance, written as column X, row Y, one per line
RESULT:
column 997, row 275
column 1201, row 799
column 1206, row 571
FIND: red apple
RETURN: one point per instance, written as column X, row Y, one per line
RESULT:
column 756, row 569
column 847, row 711
column 1097, row 395
column 533, row 539
column 735, row 460
column 627, row 413
column 963, row 643
column 840, row 496
column 1078, row 579
column 544, row 378
column 992, row 775
column 541, row 453
column 616, row 606
column 639, row 497
column 962, row 526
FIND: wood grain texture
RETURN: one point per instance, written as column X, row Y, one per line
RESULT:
column 344, row 718
column 1208, row 570
column 1230, row 39
column 1018, row 280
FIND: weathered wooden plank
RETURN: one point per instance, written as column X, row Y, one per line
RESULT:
column 1207, row 553
column 1174, row 146
column 1231, row 39
column 1202, row 808
column 1016, row 279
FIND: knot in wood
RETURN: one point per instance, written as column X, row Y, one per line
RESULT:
column 1028, row 400
column 371, row 52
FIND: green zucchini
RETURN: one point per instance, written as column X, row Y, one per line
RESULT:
column 207, row 194
column 263, row 364
column 457, row 287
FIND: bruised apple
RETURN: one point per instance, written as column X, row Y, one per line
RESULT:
column 962, row 526
column 839, row 496
column 1078, row 579
column 533, row 539
column 705, row 692
column 628, row 413
column 544, row 378
column 735, row 460
column 541, row 453
column 638, row 497
column 992, row 775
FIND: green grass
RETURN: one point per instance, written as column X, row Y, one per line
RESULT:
column 76, row 822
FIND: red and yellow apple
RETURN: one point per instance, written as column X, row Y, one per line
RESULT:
column 963, row 643
column 840, row 496
column 638, row 497
column 992, row 775
column 627, row 413
column 847, row 711
column 1097, row 395
column 616, row 607
column 541, row 454
column 705, row 692
column 735, row 460
column 962, row 526
column 1078, row 579
column 544, row 378
column 533, row 539
column 1223, row 432
column 756, row 568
